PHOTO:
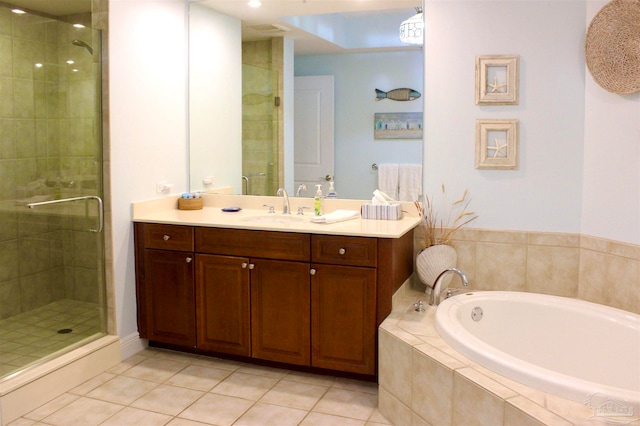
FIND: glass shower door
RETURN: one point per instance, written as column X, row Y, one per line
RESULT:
column 259, row 131
column 51, row 239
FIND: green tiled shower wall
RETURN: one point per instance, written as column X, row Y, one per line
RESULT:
column 50, row 148
column 262, row 154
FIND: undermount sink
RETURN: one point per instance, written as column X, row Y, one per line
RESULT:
column 274, row 218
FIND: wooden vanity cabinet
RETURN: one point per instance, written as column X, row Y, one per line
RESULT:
column 165, row 284
column 223, row 304
column 280, row 311
column 277, row 279
column 343, row 303
column 302, row 299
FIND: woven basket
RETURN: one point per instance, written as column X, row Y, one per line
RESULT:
column 190, row 203
column 612, row 47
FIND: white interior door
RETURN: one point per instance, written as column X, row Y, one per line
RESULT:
column 313, row 132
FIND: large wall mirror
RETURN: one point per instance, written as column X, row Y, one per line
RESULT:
column 248, row 66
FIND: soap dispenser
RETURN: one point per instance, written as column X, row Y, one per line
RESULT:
column 332, row 191
column 317, row 201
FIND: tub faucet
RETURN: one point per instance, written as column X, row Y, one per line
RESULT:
column 285, row 200
column 434, row 299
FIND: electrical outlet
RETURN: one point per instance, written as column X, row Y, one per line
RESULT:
column 209, row 180
column 163, row 187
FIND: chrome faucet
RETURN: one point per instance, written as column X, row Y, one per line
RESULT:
column 285, row 200
column 301, row 187
column 434, row 299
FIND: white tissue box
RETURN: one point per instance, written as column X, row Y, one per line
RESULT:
column 381, row 211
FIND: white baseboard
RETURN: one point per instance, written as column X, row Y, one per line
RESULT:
column 132, row 344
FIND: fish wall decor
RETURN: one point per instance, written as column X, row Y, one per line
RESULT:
column 403, row 94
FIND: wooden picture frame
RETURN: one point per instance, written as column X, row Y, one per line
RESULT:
column 397, row 125
column 497, row 79
column 497, row 144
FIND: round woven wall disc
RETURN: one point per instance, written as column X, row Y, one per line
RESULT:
column 612, row 46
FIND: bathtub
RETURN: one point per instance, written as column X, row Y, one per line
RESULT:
column 578, row 350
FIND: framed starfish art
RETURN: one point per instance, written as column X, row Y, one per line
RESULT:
column 497, row 144
column 497, row 80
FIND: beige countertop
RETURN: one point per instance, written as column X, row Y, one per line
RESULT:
column 254, row 216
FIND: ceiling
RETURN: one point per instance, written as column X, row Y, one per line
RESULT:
column 323, row 26
column 316, row 26
column 53, row 7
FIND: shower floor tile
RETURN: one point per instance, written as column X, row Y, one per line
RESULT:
column 30, row 336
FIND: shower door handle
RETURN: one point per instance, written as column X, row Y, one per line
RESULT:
column 87, row 197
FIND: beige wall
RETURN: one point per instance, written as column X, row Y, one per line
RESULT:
column 570, row 265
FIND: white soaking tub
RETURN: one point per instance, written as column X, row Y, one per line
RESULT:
column 575, row 349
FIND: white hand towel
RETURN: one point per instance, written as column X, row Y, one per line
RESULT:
column 336, row 216
column 388, row 179
column 409, row 182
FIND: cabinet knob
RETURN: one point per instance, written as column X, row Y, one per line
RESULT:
column 189, row 259
column 342, row 251
column 244, row 265
column 312, row 271
column 251, row 266
column 166, row 237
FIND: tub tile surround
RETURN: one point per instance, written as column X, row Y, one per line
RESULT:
column 560, row 264
column 423, row 381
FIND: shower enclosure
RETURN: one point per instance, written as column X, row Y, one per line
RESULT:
column 259, row 131
column 51, row 239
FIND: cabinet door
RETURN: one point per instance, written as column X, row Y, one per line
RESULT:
column 169, row 297
column 223, row 304
column 280, row 319
column 344, row 318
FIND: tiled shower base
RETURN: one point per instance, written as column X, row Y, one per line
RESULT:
column 31, row 336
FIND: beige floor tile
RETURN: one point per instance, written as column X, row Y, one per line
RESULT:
column 155, row 369
column 122, row 390
column 136, row 417
column 294, row 394
column 83, row 412
column 243, row 385
column 177, row 356
column 221, row 364
column 167, row 399
column 312, row 379
column 320, row 419
column 127, row 363
column 177, row 421
column 198, row 377
column 262, row 371
column 24, row 422
column 356, row 385
column 51, row 407
column 271, row 415
column 343, row 402
column 216, row 409
column 90, row 385
column 376, row 417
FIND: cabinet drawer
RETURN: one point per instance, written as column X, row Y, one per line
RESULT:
column 338, row 250
column 168, row 237
column 259, row 244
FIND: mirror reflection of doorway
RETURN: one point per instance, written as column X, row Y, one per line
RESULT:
column 313, row 132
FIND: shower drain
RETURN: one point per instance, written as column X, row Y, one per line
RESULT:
column 65, row 330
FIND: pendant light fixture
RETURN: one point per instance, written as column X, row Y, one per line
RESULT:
column 412, row 30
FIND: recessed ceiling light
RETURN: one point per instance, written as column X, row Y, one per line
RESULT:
column 70, row 62
column 18, row 11
column 255, row 3
column 78, row 26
